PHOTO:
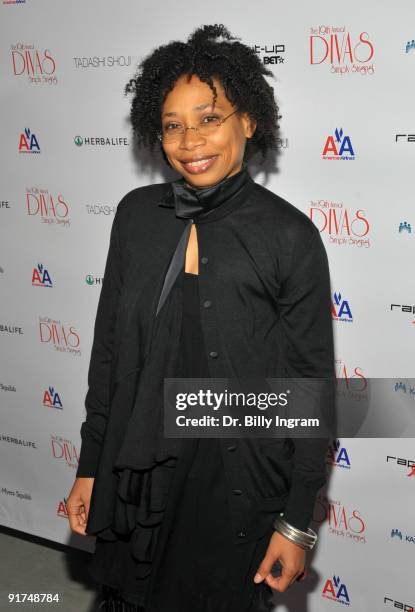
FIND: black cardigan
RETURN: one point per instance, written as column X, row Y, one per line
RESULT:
column 263, row 267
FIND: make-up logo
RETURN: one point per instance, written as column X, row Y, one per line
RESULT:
column 270, row 53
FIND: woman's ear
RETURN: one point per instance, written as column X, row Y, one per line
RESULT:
column 249, row 125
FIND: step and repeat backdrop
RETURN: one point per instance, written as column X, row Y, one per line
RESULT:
column 344, row 81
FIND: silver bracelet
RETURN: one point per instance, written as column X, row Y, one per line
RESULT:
column 305, row 539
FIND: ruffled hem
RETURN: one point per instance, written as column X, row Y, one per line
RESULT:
column 113, row 601
column 138, row 512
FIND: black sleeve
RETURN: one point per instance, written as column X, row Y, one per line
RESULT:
column 97, row 399
column 307, row 329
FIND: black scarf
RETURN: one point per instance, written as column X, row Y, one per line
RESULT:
column 191, row 204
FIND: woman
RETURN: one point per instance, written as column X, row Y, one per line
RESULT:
column 211, row 275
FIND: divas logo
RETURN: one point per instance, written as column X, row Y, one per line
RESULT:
column 38, row 65
column 343, row 225
column 343, row 51
column 65, row 450
column 342, row 521
column 52, row 209
column 63, row 338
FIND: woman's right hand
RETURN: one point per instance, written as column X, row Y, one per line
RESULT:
column 77, row 505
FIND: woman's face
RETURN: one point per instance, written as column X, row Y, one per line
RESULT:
column 222, row 151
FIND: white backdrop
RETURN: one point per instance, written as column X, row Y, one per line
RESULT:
column 63, row 66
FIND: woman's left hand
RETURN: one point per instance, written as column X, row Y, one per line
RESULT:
column 291, row 558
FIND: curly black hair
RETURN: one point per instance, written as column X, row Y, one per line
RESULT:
column 210, row 51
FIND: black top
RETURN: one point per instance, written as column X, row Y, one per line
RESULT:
column 264, row 273
column 194, row 362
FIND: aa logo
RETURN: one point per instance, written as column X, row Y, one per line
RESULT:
column 41, row 277
column 340, row 309
column 336, row 591
column 28, row 142
column 338, row 456
column 52, row 399
column 338, row 147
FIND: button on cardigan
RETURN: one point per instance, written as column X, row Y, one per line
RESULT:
column 265, row 312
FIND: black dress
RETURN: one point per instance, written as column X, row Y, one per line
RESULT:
column 196, row 532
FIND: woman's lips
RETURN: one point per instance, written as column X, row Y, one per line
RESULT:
column 200, row 166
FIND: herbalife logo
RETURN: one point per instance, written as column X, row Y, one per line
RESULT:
column 89, row 279
column 101, row 141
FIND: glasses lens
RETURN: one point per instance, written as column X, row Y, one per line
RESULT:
column 206, row 126
column 171, row 132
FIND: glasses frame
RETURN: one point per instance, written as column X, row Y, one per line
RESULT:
column 183, row 130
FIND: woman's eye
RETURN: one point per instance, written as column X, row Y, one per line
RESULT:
column 171, row 126
column 211, row 119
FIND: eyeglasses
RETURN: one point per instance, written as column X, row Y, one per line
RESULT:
column 173, row 131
